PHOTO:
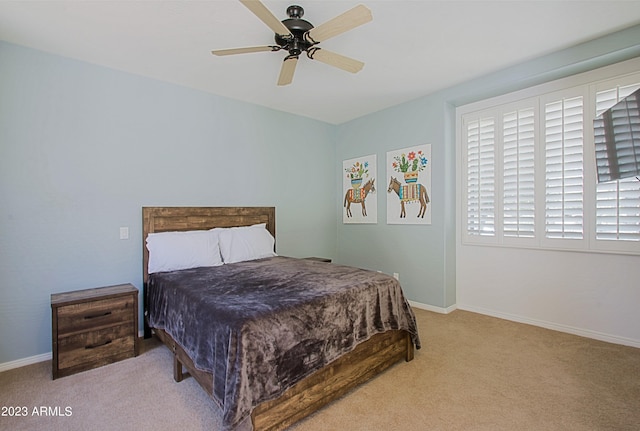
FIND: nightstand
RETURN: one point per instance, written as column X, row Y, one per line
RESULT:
column 93, row 327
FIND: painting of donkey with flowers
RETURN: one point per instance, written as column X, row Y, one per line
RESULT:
column 413, row 164
column 358, row 171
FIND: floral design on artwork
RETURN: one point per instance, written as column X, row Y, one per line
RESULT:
column 358, row 170
column 411, row 162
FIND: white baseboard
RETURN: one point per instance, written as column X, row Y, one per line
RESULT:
column 25, row 361
column 433, row 308
column 587, row 333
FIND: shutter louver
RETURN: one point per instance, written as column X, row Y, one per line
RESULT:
column 563, row 125
column 518, row 173
column 480, row 136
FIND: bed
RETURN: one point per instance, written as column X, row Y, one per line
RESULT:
column 270, row 339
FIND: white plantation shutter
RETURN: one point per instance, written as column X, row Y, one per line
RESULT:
column 480, row 150
column 564, row 168
column 618, row 210
column 518, row 135
column 617, row 202
column 528, row 169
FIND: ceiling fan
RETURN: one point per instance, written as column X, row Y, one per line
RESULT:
column 296, row 35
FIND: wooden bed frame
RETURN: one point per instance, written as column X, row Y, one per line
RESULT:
column 307, row 396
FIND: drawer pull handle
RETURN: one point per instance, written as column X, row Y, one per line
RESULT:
column 93, row 316
column 93, row 346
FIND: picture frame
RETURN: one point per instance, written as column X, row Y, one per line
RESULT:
column 359, row 197
column 409, row 185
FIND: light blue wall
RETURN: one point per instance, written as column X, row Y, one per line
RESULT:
column 424, row 256
column 416, row 252
column 83, row 148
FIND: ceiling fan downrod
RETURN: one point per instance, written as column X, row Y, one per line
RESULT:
column 296, row 42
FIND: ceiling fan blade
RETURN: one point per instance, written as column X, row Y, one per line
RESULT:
column 335, row 60
column 350, row 19
column 288, row 68
column 265, row 15
column 246, row 50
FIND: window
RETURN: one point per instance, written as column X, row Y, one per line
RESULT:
column 564, row 168
column 518, row 182
column 481, row 176
column 528, row 173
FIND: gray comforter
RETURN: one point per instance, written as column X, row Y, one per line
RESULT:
column 261, row 326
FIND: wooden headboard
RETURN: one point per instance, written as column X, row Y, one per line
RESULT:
column 165, row 219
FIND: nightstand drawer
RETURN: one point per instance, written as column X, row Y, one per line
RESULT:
column 96, row 347
column 94, row 314
column 93, row 327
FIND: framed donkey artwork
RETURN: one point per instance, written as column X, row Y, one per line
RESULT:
column 359, row 197
column 409, row 185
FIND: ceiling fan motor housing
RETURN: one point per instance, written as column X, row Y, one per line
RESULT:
column 298, row 27
column 296, row 35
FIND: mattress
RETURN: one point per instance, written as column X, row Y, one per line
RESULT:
column 261, row 326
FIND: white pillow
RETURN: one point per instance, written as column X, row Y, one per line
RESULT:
column 170, row 251
column 238, row 244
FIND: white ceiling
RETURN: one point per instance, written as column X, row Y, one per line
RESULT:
column 410, row 49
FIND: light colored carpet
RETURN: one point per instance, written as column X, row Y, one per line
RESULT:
column 473, row 373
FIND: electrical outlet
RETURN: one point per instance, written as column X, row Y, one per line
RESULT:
column 396, row 276
column 124, row 233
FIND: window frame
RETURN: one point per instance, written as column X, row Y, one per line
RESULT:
column 584, row 85
column 565, row 243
